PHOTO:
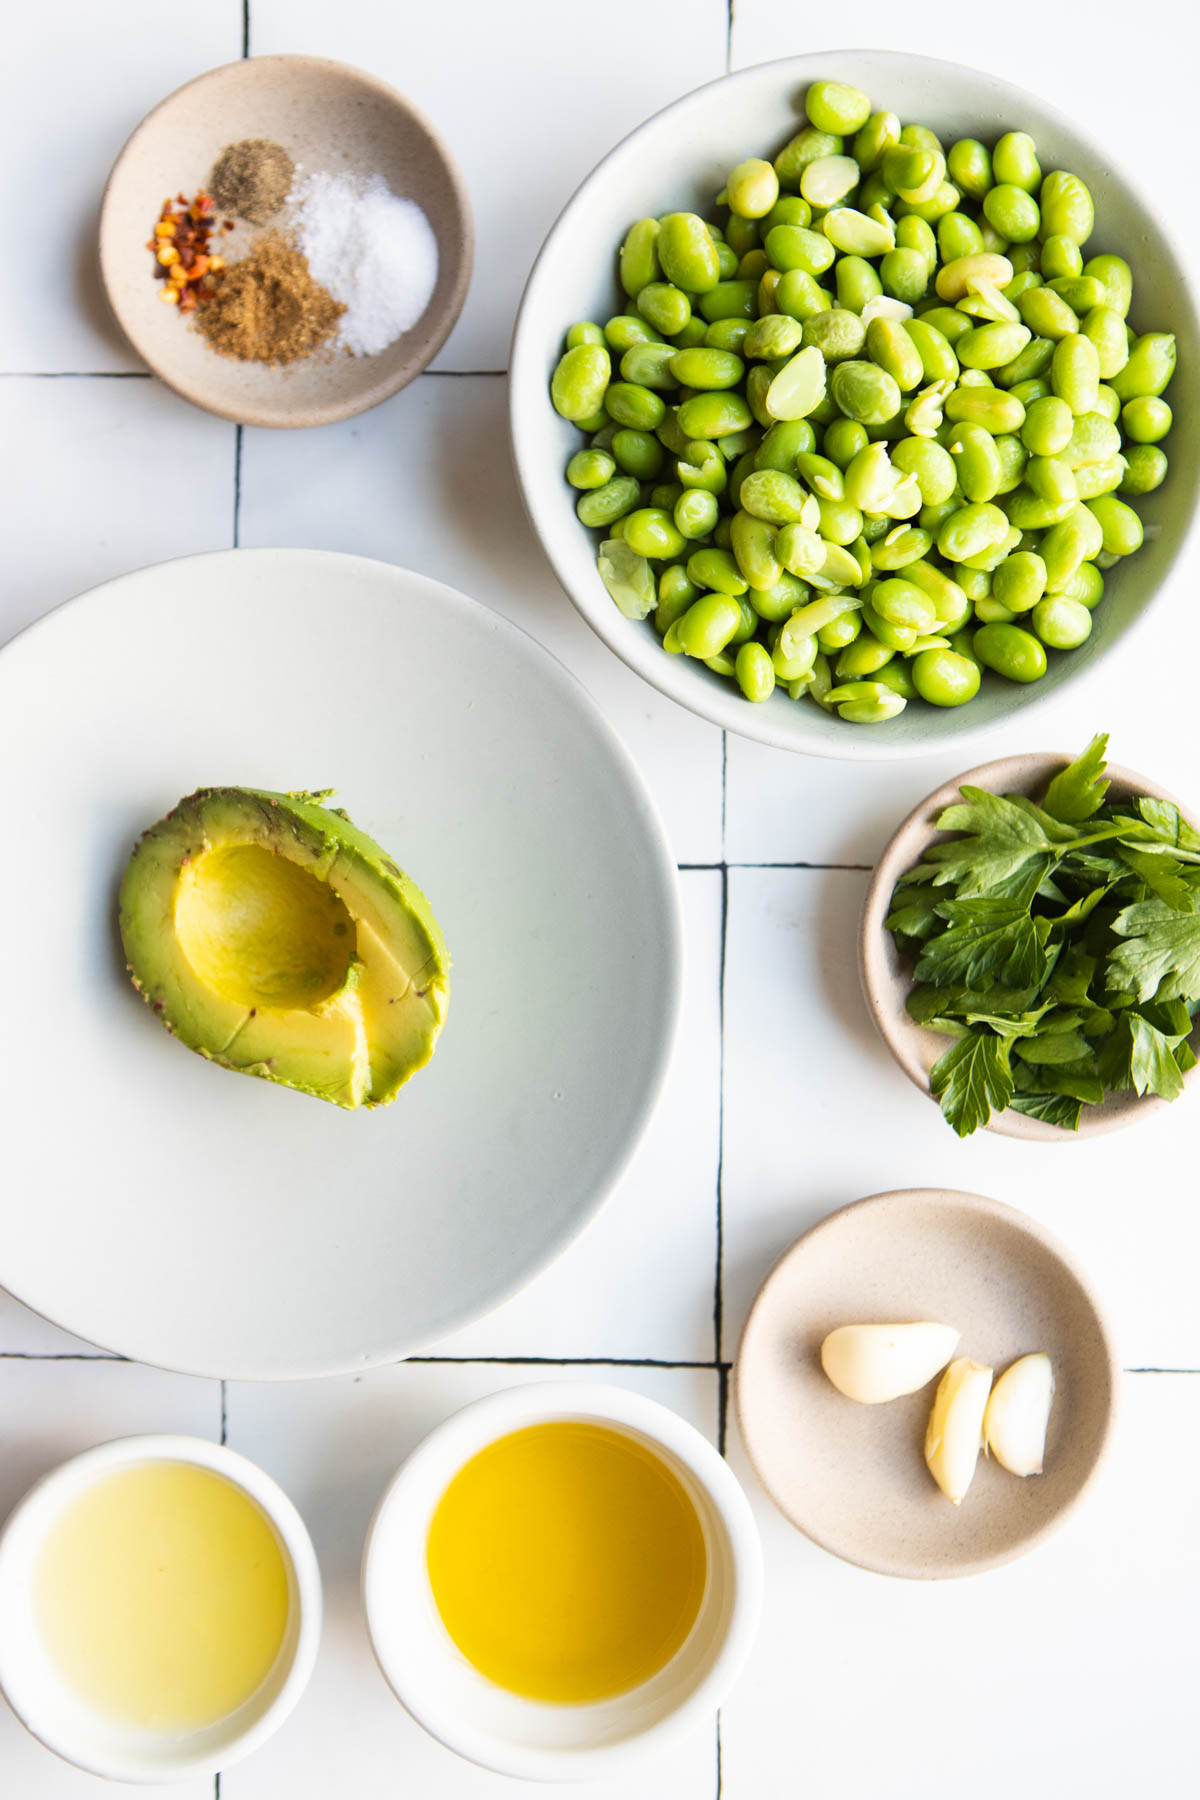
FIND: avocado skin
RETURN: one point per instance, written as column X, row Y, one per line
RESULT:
column 358, row 1047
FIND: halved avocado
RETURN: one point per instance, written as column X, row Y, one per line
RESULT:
column 271, row 935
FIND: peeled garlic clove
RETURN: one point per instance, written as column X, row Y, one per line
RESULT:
column 1014, row 1425
column 873, row 1363
column 955, row 1431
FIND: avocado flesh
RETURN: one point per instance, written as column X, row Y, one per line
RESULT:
column 273, row 937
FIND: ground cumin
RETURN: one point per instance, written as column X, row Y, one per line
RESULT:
column 252, row 179
column 267, row 308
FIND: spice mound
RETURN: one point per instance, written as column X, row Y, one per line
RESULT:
column 267, row 308
column 252, row 178
column 183, row 257
column 374, row 250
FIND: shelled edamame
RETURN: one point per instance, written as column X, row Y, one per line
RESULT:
column 876, row 432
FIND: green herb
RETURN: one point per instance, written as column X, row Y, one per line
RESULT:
column 1058, row 944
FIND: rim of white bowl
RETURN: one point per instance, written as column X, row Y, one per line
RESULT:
column 640, row 649
column 25, row 1531
column 424, row 1476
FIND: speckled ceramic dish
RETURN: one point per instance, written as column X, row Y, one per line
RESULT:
column 852, row 1477
column 329, row 117
column 887, row 976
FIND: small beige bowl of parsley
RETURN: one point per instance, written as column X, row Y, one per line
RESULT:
column 1030, row 946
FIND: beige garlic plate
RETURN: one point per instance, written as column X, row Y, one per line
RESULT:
column 328, row 116
column 853, row 1477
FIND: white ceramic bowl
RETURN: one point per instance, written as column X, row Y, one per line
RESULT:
column 526, row 1738
column 680, row 158
column 35, row 1690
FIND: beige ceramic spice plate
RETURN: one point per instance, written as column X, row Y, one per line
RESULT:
column 887, row 978
column 853, row 1477
column 328, row 116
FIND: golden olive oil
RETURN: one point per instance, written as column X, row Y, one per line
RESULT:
column 567, row 1562
column 162, row 1597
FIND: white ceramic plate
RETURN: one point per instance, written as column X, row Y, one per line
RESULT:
column 185, row 1216
column 681, row 157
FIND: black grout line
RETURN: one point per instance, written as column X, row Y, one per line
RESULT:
column 728, row 69
column 76, row 375
column 237, row 486
column 720, row 1770
column 245, row 43
column 687, row 868
column 61, row 1356
column 463, row 374
column 554, row 1362
column 718, row 1274
column 224, row 1411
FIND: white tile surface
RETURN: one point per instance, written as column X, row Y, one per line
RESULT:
column 1069, row 1673
column 817, row 1114
column 333, row 1445
column 426, row 480
column 74, row 81
column 48, row 1412
column 100, row 477
column 528, row 97
column 639, row 1281
column 860, row 1688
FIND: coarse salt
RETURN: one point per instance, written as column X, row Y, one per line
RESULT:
column 372, row 250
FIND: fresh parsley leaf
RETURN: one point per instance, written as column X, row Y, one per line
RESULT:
column 972, row 1080
column 985, row 938
column 1135, row 1055
column 1161, row 879
column 1072, row 978
column 1054, row 1047
column 1055, row 1109
column 1164, row 820
column 1000, row 844
column 1011, row 1003
column 1078, row 791
column 1161, row 951
column 913, row 912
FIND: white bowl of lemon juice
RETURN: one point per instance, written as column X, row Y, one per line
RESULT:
column 160, row 1609
column 562, row 1578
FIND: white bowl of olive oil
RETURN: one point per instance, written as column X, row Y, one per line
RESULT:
column 160, row 1609
column 561, row 1579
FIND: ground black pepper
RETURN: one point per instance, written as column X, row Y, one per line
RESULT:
column 252, row 179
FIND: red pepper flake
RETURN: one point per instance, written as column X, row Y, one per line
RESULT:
column 183, row 258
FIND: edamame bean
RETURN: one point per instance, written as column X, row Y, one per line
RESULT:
column 639, row 262
column 1115, row 277
column 1145, row 469
column 1010, row 651
column 992, row 346
column 590, row 469
column 905, row 273
column 1075, row 373
column 652, row 532
column 1062, row 624
column 1012, row 212
column 976, row 461
column 755, row 672
column 665, row 307
column 696, row 513
column 971, row 530
column 1146, row 420
column 865, row 392
column 707, row 369
column 784, row 442
column 639, row 407
column 791, row 247
column 649, row 365
column 1048, row 426
column 1150, row 367
column 1047, row 313
column 1061, row 256
column 730, row 300
column 638, row 453
column 772, row 495
column 843, row 440
column 1014, row 160
column 892, row 349
column 880, row 132
column 857, row 283
column 1051, row 479
column 752, row 188
column 990, row 407
column 957, row 235
column 715, row 568
column 944, row 678
column 687, row 253
column 604, row 505
column 1121, row 527
column 580, row 382
column 1067, row 207
column 708, row 625
column 856, row 233
column 714, row 415
column 837, row 334
column 1094, row 479
column 1093, row 439
column 753, row 543
column 1020, row 581
column 1080, row 292
column 835, row 107
column 969, row 166
column 931, row 465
